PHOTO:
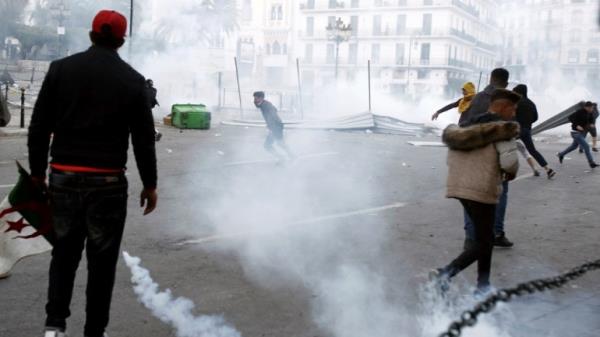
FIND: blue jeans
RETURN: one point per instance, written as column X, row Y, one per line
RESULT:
column 578, row 141
column 498, row 218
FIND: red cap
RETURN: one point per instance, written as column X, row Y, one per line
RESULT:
column 116, row 21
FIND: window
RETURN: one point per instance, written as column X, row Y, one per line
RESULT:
column 353, row 53
column 592, row 56
column 401, row 24
column 331, row 21
column 310, row 26
column 375, row 53
column 354, row 24
column 332, row 3
column 425, row 50
column 402, row 3
column 575, row 36
column 310, row 4
column 576, row 16
column 330, row 53
column 399, row 53
column 427, row 24
column 573, row 56
column 277, row 12
column 284, row 49
column 247, row 10
column 268, row 49
column 354, row 4
column 308, row 53
column 276, row 48
column 377, row 25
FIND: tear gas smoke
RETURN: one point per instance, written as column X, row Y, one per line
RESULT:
column 177, row 312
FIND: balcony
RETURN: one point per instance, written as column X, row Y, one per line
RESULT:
column 462, row 35
column 466, row 7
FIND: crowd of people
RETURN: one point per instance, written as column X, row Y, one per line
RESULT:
column 494, row 125
column 84, row 93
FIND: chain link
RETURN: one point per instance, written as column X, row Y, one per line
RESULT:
column 469, row 317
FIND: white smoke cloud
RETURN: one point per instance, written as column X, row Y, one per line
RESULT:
column 174, row 311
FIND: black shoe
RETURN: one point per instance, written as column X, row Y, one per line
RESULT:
column 536, row 173
column 157, row 136
column 593, row 165
column 551, row 173
column 560, row 158
column 595, row 149
column 469, row 243
column 580, row 150
column 501, row 241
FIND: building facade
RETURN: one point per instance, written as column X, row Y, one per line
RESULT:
column 552, row 38
column 413, row 45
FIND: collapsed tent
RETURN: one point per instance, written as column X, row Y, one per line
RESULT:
column 363, row 121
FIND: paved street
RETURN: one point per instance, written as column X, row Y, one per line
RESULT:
column 337, row 243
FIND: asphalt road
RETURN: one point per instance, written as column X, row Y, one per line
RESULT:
column 337, row 243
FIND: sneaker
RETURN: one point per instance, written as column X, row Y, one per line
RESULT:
column 469, row 243
column 593, row 165
column 104, row 335
column 536, row 173
column 595, row 149
column 54, row 332
column 551, row 173
column 483, row 291
column 440, row 280
column 580, row 150
column 501, row 241
column 560, row 157
column 157, row 136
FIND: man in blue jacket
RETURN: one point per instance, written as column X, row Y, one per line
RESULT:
column 274, row 124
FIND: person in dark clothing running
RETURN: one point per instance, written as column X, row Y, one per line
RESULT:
column 527, row 114
column 81, row 97
column 480, row 156
column 581, row 121
column 481, row 101
column 592, row 130
column 152, row 102
column 274, row 124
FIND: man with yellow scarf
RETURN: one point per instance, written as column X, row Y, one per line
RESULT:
column 462, row 104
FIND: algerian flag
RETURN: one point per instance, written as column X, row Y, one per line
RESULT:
column 25, row 223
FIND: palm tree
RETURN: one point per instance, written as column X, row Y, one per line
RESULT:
column 205, row 22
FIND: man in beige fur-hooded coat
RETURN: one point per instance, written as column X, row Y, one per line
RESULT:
column 480, row 157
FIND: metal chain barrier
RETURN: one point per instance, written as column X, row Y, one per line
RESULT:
column 469, row 317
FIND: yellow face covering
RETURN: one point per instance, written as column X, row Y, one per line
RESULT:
column 465, row 102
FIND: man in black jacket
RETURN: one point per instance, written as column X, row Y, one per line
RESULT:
column 581, row 122
column 481, row 101
column 83, row 96
column 527, row 114
column 274, row 124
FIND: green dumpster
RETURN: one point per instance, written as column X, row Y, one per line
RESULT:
column 190, row 116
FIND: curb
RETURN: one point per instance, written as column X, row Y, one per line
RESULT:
column 13, row 133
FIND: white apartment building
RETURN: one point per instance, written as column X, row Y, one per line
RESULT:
column 413, row 45
column 541, row 34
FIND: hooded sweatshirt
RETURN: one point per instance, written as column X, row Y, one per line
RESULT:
column 463, row 103
column 527, row 113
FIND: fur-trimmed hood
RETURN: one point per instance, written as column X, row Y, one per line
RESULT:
column 478, row 135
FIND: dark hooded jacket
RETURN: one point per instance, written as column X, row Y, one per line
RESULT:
column 527, row 113
column 479, row 105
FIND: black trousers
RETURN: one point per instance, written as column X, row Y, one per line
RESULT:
column 87, row 210
column 528, row 141
column 483, row 216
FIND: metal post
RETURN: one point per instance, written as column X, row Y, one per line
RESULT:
column 299, row 89
column 6, row 91
column 408, row 68
column 369, row 77
column 32, row 74
column 130, row 47
column 479, row 83
column 337, row 53
column 220, row 83
column 237, row 76
column 22, row 108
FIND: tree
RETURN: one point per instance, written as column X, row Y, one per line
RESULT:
column 11, row 12
column 191, row 23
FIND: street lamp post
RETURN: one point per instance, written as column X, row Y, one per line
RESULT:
column 338, row 33
column 60, row 11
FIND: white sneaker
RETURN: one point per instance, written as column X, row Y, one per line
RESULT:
column 53, row 332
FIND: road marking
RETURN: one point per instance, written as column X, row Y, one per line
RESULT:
column 7, row 186
column 307, row 156
column 372, row 210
